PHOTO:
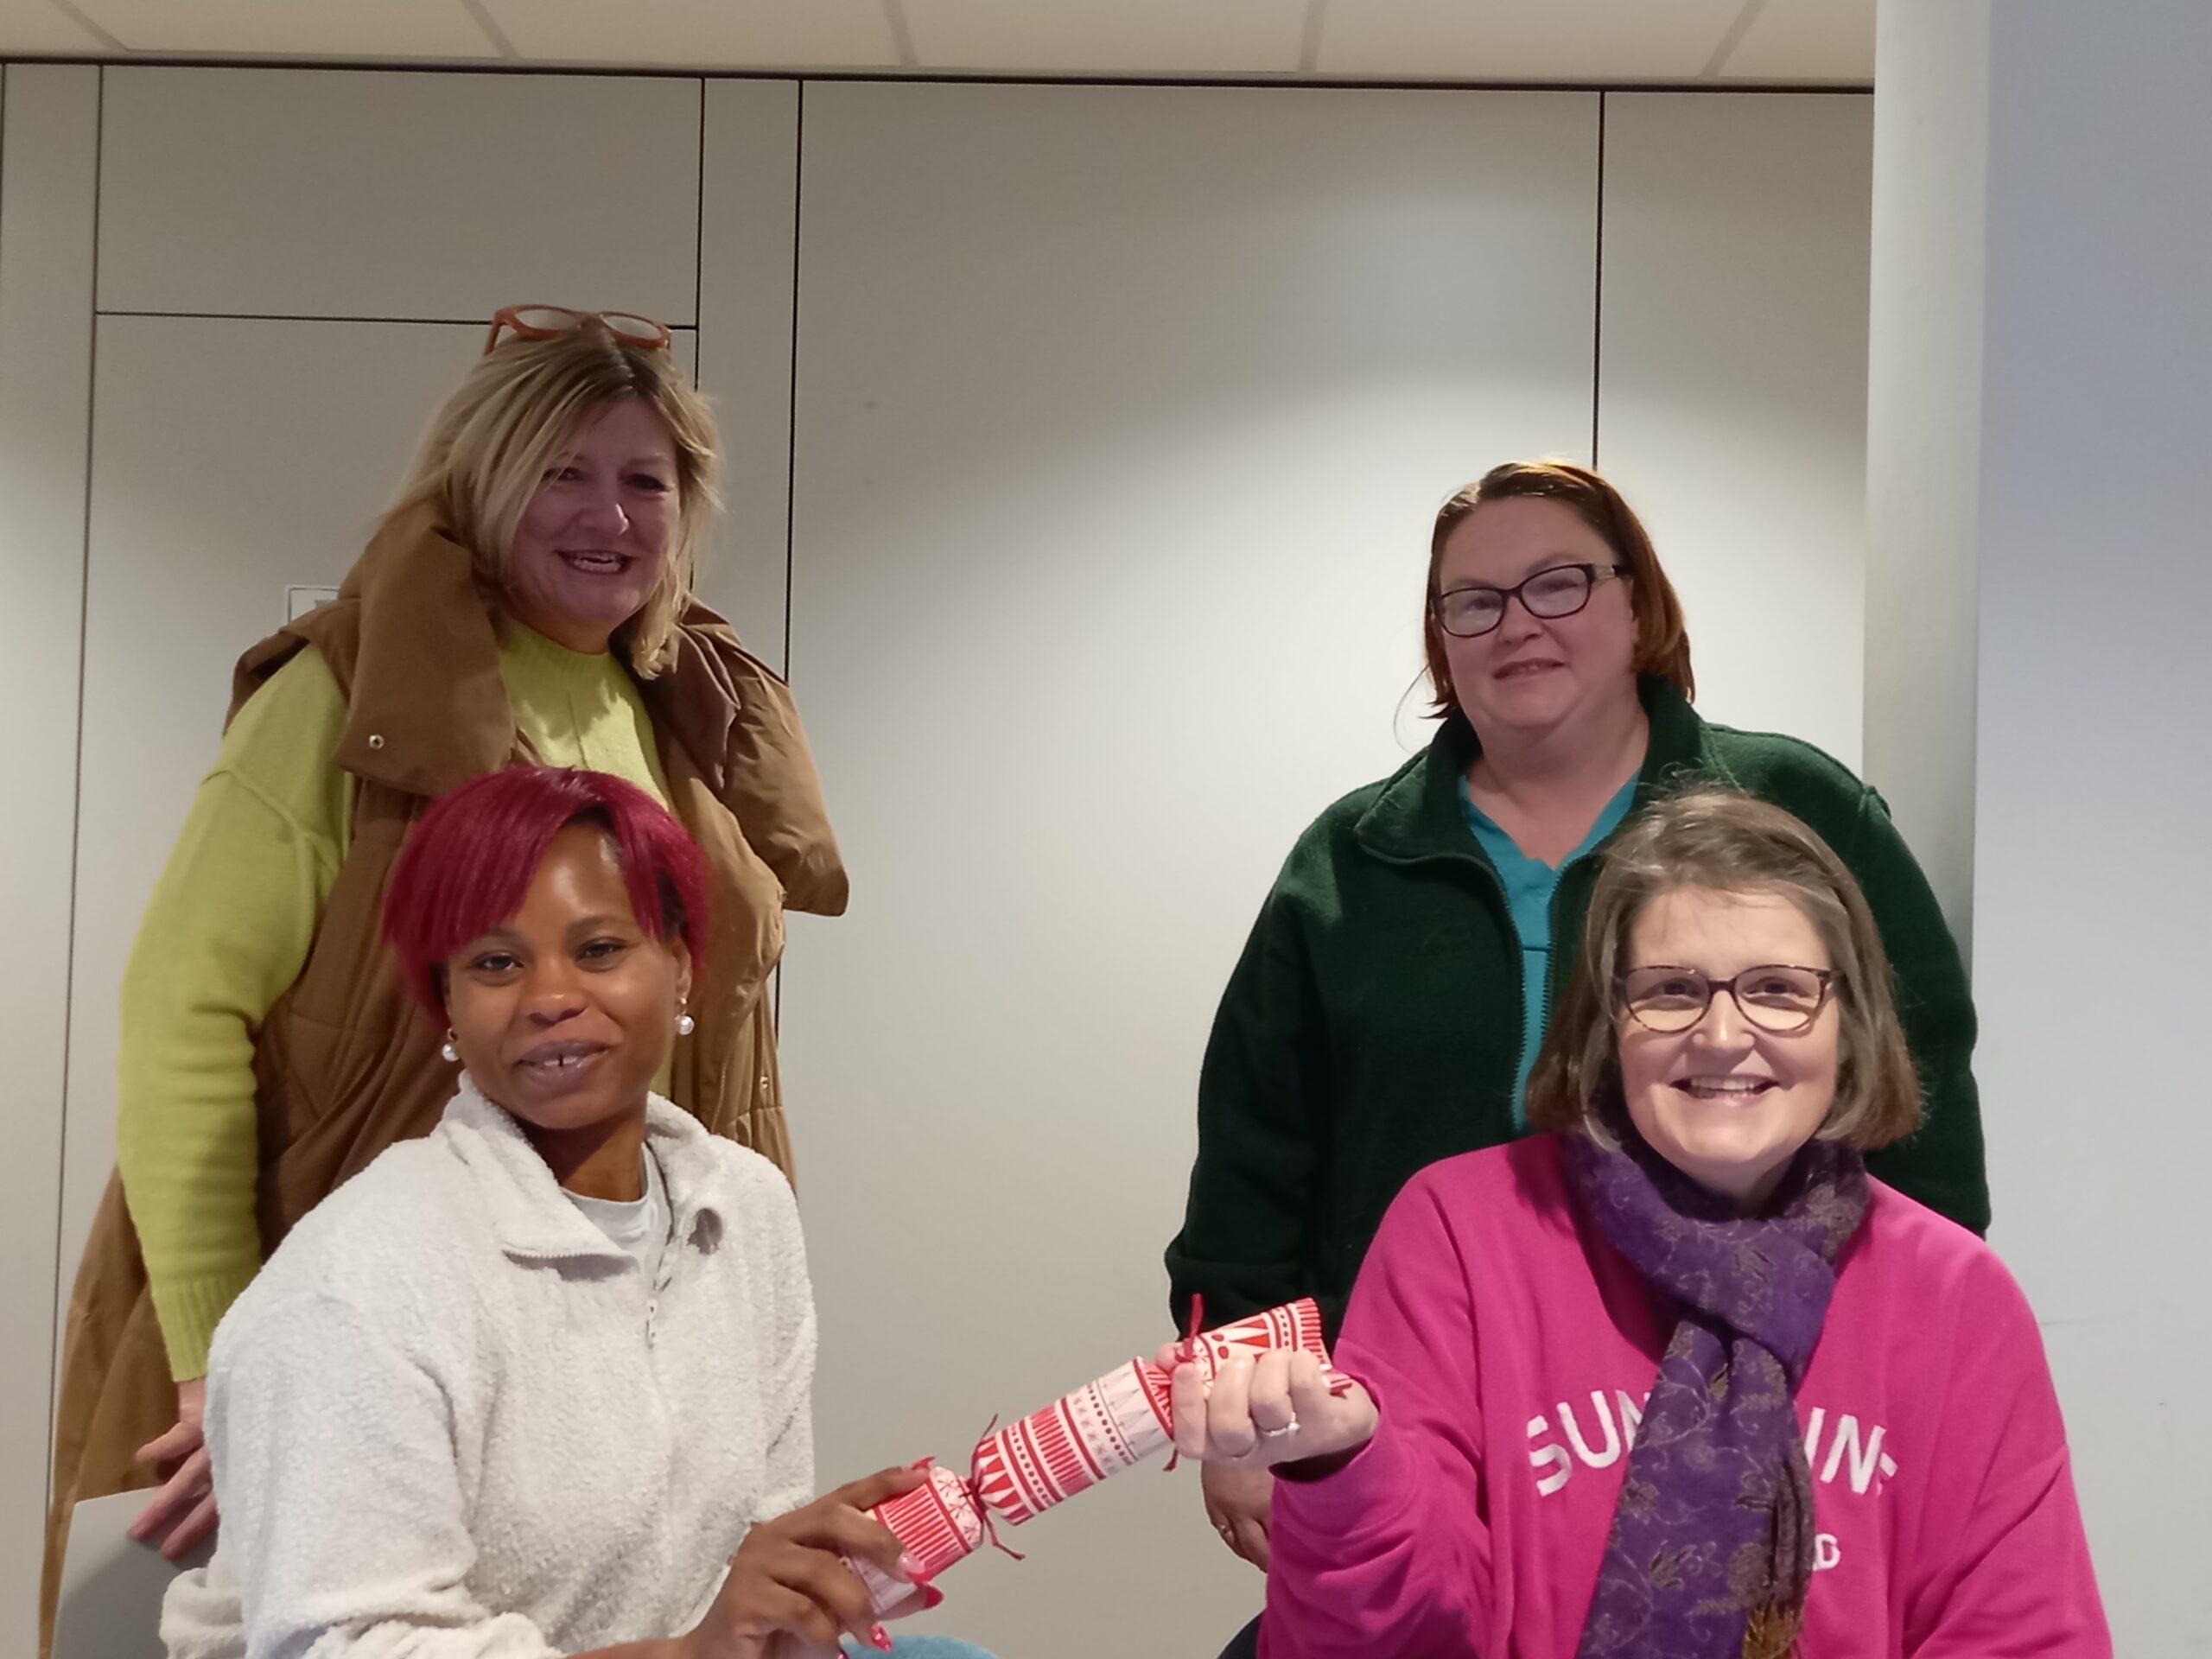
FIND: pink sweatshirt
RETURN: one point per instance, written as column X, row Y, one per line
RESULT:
column 1510, row 1349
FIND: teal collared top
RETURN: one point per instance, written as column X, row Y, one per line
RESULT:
column 1529, row 884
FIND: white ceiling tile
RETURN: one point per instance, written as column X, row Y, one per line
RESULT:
column 1192, row 37
column 1524, row 40
column 701, row 33
column 1807, row 40
column 334, row 29
column 42, row 26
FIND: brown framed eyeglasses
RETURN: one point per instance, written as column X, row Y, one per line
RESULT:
column 1778, row 997
column 550, row 321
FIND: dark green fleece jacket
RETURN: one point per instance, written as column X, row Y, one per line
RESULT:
column 1374, row 1023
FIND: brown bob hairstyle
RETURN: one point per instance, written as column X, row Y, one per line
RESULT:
column 1663, row 647
column 1730, row 842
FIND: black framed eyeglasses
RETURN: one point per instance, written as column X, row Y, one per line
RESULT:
column 1557, row 590
column 1776, row 997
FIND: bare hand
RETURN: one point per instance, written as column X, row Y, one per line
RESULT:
column 786, row 1583
column 1257, row 1414
column 1238, row 1504
column 182, row 1515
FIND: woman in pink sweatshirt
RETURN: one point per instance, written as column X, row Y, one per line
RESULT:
column 1677, row 1379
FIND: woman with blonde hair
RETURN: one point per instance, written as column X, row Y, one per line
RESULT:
column 529, row 598
column 1677, row 1375
column 1393, row 994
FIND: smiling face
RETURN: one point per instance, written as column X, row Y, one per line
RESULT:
column 1726, row 1103
column 564, row 1013
column 1530, row 674
column 591, row 545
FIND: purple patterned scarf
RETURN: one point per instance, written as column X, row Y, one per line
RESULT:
column 1712, row 1545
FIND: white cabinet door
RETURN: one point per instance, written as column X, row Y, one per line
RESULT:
column 1122, row 416
column 1733, row 396
column 748, row 198
column 319, row 192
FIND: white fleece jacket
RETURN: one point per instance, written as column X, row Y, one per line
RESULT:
column 449, row 1420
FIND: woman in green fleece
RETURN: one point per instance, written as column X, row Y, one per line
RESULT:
column 529, row 598
column 1392, row 994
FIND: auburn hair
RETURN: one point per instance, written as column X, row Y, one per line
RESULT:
column 1663, row 644
column 468, row 863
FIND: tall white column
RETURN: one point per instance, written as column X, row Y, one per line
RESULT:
column 49, row 163
column 2040, row 630
column 1923, row 430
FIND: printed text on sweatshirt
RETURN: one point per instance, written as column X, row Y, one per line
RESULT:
column 1510, row 1349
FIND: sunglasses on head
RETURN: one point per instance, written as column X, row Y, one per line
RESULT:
column 548, row 321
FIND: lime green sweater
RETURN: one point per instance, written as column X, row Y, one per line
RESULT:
column 229, row 927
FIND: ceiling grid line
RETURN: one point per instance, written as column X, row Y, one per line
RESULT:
column 1309, row 43
column 490, row 25
column 78, row 17
column 902, row 33
column 1718, row 63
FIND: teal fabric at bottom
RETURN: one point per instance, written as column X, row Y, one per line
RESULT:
column 922, row 1646
column 1529, row 885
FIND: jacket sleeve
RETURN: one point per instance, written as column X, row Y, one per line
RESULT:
column 770, row 784
column 1262, row 1134
column 1941, row 1164
column 1391, row 1553
column 335, row 1472
column 2004, row 1572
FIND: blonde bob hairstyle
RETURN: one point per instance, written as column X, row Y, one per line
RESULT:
column 1729, row 843
column 495, row 439
column 1662, row 643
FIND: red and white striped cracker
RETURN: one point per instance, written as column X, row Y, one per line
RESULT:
column 1293, row 1326
column 939, row 1524
column 1120, row 1419
column 1101, row 1429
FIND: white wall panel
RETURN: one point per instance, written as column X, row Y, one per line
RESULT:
column 1123, row 416
column 2094, row 701
column 1733, row 393
column 369, row 193
column 748, row 231
column 1926, row 283
column 224, row 471
column 49, row 162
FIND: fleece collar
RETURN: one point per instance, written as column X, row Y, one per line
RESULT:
column 530, row 1215
column 1417, row 816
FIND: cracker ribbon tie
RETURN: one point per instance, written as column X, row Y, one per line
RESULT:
column 975, row 1490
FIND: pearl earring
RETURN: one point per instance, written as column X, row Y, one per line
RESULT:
column 451, row 1053
column 685, row 1025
